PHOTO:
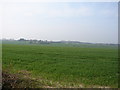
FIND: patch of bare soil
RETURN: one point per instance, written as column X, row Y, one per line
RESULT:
column 16, row 81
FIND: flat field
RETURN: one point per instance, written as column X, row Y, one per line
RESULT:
column 62, row 66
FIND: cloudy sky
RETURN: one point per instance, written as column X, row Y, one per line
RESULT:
column 79, row 21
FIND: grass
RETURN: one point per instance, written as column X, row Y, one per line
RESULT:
column 64, row 66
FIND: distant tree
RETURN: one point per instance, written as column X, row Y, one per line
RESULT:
column 21, row 39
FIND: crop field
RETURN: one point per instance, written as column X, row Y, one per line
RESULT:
column 62, row 66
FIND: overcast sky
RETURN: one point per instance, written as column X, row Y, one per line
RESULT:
column 85, row 22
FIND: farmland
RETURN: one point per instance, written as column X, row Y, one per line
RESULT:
column 62, row 66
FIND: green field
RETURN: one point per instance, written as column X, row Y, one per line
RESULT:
column 62, row 66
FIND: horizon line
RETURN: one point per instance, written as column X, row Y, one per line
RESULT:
column 60, row 40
